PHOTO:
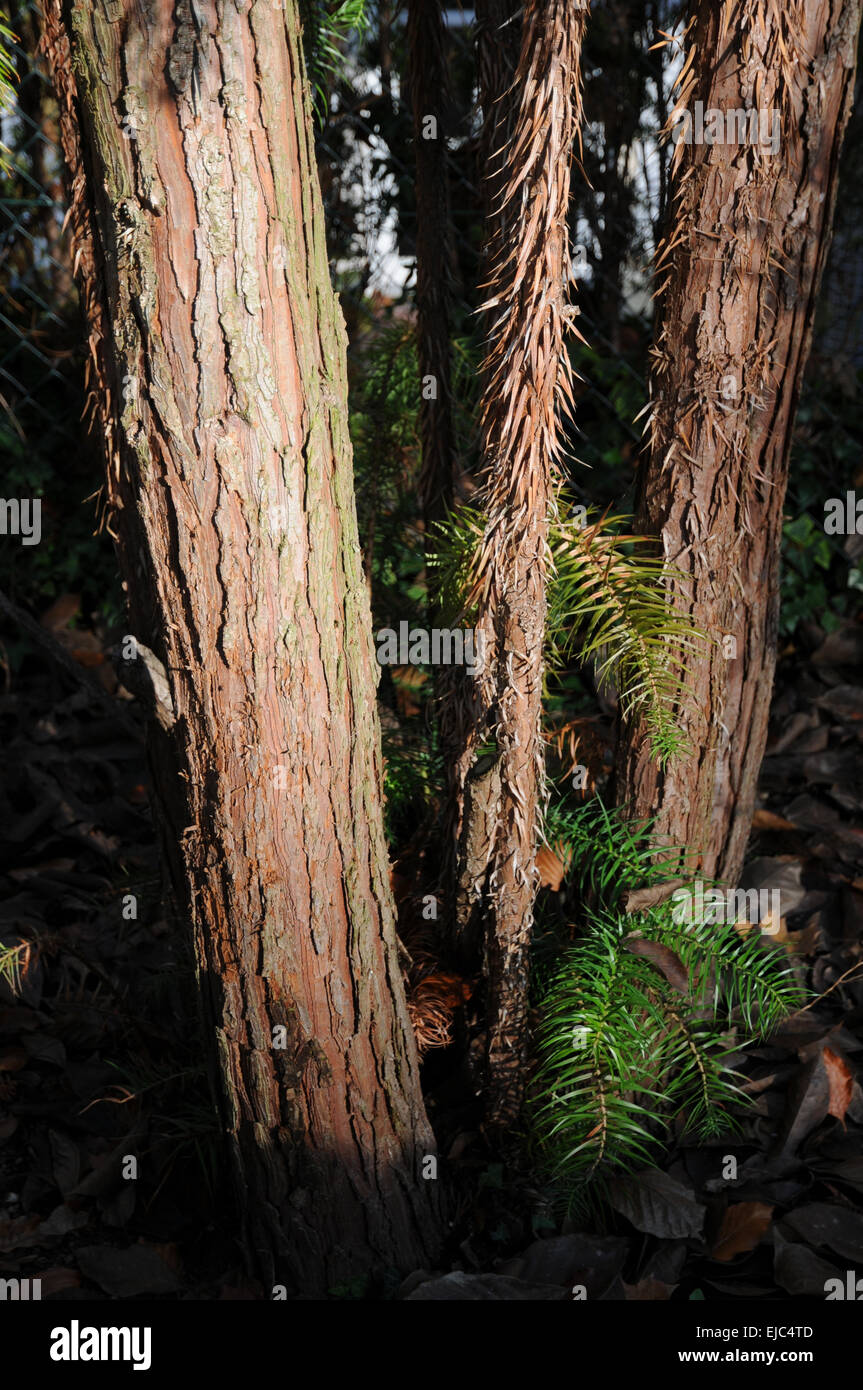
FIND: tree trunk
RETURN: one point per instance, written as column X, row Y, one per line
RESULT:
column 525, row 376
column 430, row 100
column 498, row 43
column 429, row 96
column 749, row 233
column 472, row 794
column 218, row 366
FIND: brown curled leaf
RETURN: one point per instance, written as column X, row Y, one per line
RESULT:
column 841, row 1081
column 663, row 958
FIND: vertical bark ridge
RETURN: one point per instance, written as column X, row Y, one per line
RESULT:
column 740, row 266
column 219, row 379
column 526, row 380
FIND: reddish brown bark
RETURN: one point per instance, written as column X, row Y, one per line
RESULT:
column 742, row 260
column 219, row 377
column 526, row 375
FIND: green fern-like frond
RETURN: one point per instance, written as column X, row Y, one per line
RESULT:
column 625, row 1051
column 606, row 853
column 701, row 1089
column 8, row 79
column 733, row 969
column 7, row 64
column 453, row 562
column 412, row 776
column 593, row 1049
column 607, row 604
column 14, row 962
column 384, row 385
column 389, row 366
column 325, row 26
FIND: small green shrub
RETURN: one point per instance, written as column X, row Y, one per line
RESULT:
column 639, row 1017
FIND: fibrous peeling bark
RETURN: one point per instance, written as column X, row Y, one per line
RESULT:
column 218, row 377
column 741, row 263
column 526, row 381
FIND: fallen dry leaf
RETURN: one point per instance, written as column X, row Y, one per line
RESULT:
column 663, row 958
column 807, row 1103
column 658, row 1205
column 637, row 899
column 821, row 1223
column 61, row 612
column 550, row 867
column 777, row 934
column 768, row 820
column 841, row 1084
column 776, row 930
column 743, row 1226
column 798, row 1270
column 808, row 940
column 652, row 1290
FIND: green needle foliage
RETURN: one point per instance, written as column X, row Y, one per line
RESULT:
column 605, row 853
column 384, row 386
column 412, row 774
column 607, row 605
column 639, row 1018
column 325, row 26
column 8, row 78
column 13, row 964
